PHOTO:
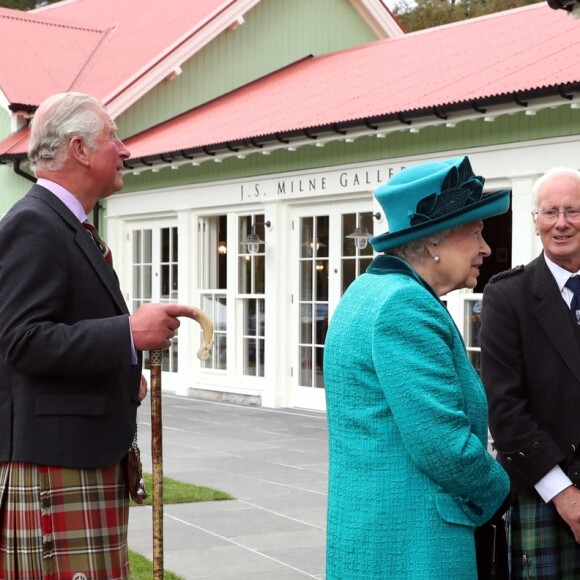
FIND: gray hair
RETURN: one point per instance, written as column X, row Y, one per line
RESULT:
column 414, row 251
column 549, row 176
column 56, row 121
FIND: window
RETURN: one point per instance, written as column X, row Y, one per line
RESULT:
column 213, row 249
column 251, row 287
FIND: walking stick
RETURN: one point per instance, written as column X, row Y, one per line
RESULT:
column 156, row 360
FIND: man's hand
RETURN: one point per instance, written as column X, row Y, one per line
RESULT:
column 142, row 388
column 154, row 325
column 567, row 503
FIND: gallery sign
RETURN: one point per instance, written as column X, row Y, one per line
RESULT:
column 333, row 182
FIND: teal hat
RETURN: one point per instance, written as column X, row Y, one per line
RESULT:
column 427, row 198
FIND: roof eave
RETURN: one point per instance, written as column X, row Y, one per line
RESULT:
column 380, row 125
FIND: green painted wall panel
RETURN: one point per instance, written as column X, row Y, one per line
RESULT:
column 275, row 34
column 13, row 187
column 4, row 124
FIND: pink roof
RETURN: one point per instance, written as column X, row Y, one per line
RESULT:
column 32, row 61
column 52, row 49
column 526, row 49
column 143, row 32
column 530, row 50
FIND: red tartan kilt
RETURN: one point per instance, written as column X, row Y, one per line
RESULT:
column 58, row 524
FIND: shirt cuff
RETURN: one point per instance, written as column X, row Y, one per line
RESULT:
column 552, row 483
column 134, row 357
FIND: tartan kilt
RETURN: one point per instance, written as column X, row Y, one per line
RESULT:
column 63, row 524
column 540, row 543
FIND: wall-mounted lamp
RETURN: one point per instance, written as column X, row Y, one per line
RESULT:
column 361, row 235
column 253, row 241
column 222, row 248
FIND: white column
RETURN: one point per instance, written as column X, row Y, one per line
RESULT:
column 277, row 296
column 187, row 284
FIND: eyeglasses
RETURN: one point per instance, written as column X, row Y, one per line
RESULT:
column 550, row 216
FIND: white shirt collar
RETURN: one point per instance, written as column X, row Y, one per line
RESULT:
column 561, row 276
column 65, row 196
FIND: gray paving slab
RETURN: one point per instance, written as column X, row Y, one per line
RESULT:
column 273, row 461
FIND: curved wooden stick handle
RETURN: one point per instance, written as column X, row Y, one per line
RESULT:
column 207, row 326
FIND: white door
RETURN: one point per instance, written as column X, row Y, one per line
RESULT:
column 153, row 256
column 327, row 262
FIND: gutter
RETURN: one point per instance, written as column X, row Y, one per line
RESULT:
column 23, row 173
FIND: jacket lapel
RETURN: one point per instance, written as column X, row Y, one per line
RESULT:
column 85, row 243
column 550, row 309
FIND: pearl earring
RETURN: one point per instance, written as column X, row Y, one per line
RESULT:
column 436, row 259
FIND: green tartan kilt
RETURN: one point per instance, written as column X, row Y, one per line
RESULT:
column 540, row 544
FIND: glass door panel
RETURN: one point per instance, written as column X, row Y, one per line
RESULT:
column 213, row 247
column 355, row 260
column 154, row 268
column 313, row 298
column 251, row 289
column 327, row 263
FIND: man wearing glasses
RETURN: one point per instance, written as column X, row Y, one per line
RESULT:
column 530, row 344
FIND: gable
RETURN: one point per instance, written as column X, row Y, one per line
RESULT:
column 272, row 36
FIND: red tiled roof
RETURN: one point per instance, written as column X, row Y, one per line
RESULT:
column 143, row 33
column 525, row 49
column 519, row 51
column 34, row 67
column 53, row 49
column 15, row 145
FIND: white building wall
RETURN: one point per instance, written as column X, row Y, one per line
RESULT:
column 514, row 166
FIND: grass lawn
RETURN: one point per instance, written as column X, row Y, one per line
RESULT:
column 178, row 492
column 142, row 568
column 173, row 492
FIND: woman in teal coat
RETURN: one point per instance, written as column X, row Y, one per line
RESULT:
column 410, row 477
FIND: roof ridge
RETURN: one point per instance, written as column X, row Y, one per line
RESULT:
column 89, row 62
column 47, row 22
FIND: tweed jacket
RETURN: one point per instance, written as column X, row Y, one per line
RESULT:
column 531, row 372
column 68, row 390
column 410, row 476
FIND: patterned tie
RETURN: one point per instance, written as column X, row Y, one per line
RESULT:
column 105, row 250
column 574, row 284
